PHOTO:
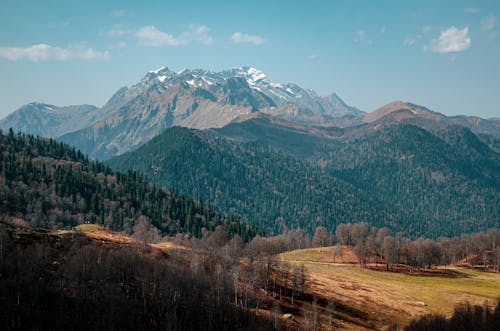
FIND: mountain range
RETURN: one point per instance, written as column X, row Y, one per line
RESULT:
column 191, row 98
column 278, row 177
column 203, row 99
column 281, row 156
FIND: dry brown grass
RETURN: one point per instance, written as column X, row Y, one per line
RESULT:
column 389, row 297
column 98, row 232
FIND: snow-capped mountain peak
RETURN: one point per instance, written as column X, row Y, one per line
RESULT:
column 281, row 94
column 254, row 74
column 156, row 71
column 160, row 74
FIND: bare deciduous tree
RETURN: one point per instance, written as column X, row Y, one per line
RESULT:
column 321, row 237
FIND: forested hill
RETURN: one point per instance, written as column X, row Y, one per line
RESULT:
column 445, row 182
column 269, row 189
column 400, row 176
column 48, row 184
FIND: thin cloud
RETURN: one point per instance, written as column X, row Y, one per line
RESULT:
column 199, row 34
column 44, row 52
column 119, row 45
column 361, row 38
column 451, row 40
column 488, row 23
column 117, row 31
column 410, row 41
column 471, row 10
column 312, row 56
column 426, row 29
column 59, row 25
column 239, row 37
column 153, row 37
column 119, row 13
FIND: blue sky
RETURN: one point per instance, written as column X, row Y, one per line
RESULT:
column 441, row 54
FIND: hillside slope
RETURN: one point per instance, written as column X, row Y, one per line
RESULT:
column 444, row 183
column 399, row 176
column 265, row 187
column 45, row 183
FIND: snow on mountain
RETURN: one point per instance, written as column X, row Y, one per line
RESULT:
column 282, row 94
column 194, row 98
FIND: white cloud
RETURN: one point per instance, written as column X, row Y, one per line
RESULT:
column 471, row 10
column 44, row 52
column 361, row 38
column 382, row 29
column 239, row 38
column 450, row 40
column 151, row 36
column 488, row 23
column 312, row 56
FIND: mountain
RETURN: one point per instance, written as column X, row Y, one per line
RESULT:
column 265, row 187
column 274, row 173
column 440, row 183
column 400, row 111
column 198, row 99
column 44, row 183
column 405, row 112
column 476, row 124
column 297, row 140
column 49, row 120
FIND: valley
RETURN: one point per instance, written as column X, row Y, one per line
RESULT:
column 250, row 165
column 240, row 186
column 334, row 290
column 393, row 297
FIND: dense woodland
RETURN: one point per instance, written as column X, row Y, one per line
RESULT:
column 44, row 183
column 267, row 188
column 443, row 183
column 57, row 282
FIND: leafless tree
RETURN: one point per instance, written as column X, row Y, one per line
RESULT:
column 321, row 237
column 390, row 251
column 343, row 234
column 145, row 231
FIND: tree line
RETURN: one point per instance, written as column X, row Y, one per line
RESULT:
column 465, row 317
column 371, row 243
column 45, row 183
